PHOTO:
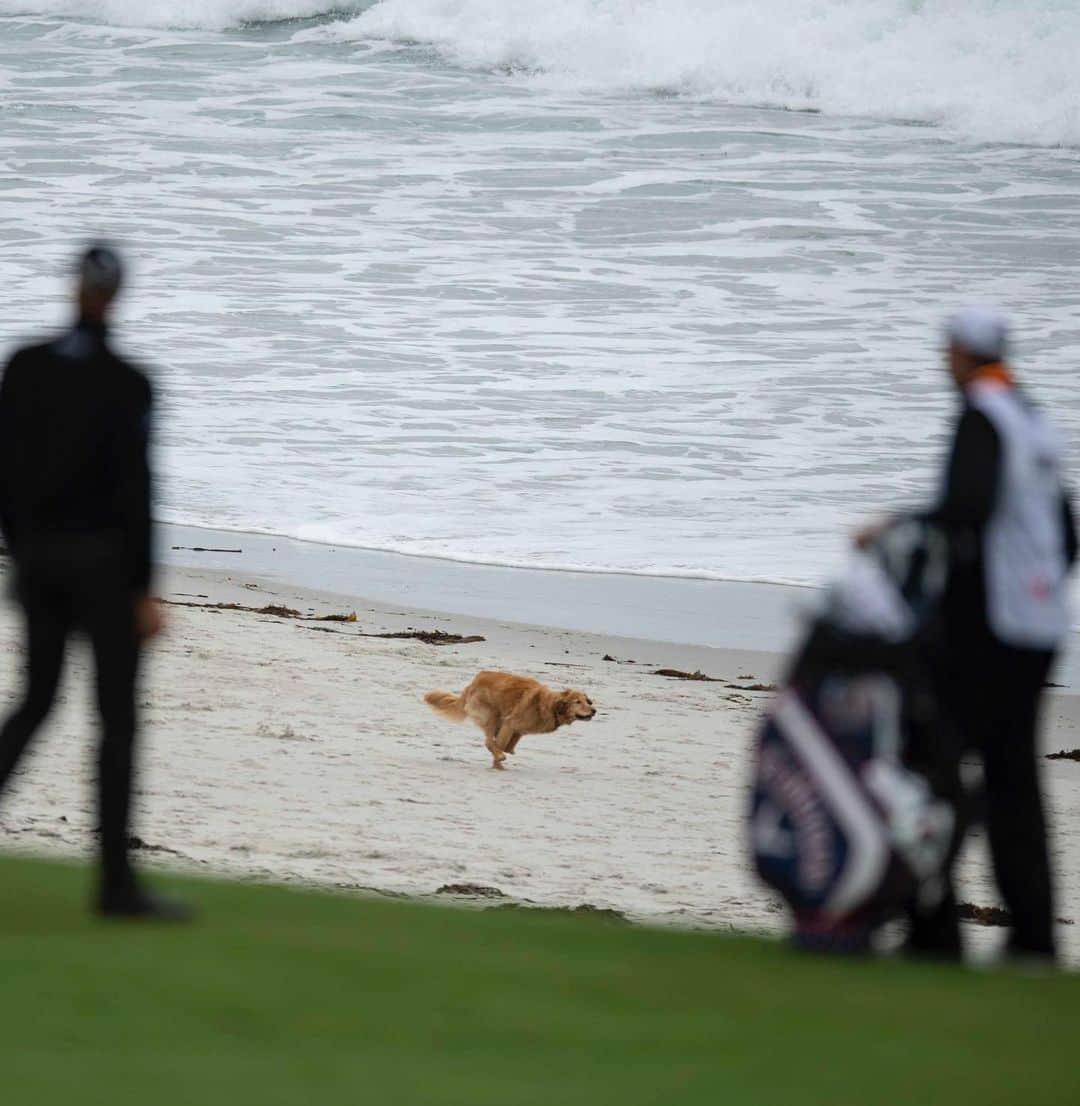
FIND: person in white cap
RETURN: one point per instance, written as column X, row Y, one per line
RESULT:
column 1005, row 510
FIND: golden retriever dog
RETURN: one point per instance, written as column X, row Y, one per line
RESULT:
column 506, row 707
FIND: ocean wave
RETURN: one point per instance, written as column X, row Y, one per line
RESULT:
column 992, row 70
column 208, row 15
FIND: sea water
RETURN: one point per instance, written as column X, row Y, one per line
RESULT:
column 646, row 285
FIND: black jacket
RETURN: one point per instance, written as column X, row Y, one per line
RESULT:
column 74, row 428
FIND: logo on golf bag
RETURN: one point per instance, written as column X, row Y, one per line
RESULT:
column 838, row 825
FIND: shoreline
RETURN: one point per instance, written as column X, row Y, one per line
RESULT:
column 670, row 609
column 239, row 533
column 688, row 612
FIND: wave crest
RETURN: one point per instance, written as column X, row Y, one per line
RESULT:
column 993, row 70
column 207, row 15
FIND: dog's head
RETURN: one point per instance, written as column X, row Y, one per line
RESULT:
column 573, row 706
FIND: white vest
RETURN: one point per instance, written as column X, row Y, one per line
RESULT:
column 1024, row 546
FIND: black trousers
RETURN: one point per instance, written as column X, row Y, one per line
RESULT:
column 66, row 585
column 992, row 694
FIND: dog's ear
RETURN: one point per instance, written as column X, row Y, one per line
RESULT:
column 564, row 712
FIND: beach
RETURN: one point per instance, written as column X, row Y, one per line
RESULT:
column 293, row 748
column 592, row 331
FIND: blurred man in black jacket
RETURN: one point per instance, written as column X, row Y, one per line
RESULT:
column 75, row 512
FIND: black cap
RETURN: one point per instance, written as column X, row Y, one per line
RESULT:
column 101, row 270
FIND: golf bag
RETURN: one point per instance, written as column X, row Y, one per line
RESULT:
column 840, row 825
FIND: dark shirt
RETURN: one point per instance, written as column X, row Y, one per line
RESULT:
column 74, row 426
column 963, row 512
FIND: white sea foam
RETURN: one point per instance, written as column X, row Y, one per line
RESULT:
column 1000, row 70
column 402, row 304
column 211, row 15
column 994, row 70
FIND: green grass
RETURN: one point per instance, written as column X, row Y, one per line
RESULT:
column 285, row 997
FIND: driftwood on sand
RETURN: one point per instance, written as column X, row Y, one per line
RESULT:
column 429, row 637
column 676, row 674
column 275, row 609
column 993, row 915
column 204, row 549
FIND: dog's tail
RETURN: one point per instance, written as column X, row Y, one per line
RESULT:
column 447, row 704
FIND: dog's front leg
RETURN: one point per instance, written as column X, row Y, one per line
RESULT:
column 492, row 734
column 506, row 738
